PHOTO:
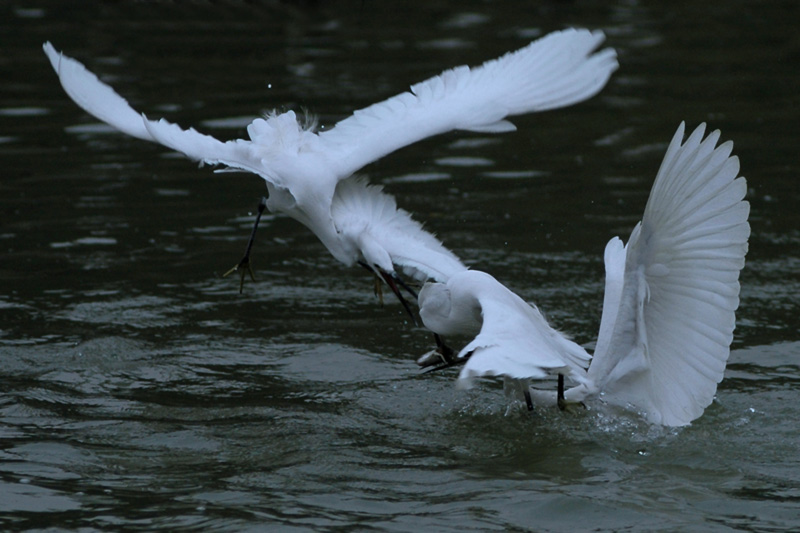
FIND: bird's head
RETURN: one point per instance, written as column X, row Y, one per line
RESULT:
column 434, row 301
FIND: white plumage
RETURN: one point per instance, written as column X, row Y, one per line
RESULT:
column 555, row 71
column 671, row 292
column 308, row 174
column 669, row 305
column 664, row 346
column 513, row 338
column 385, row 235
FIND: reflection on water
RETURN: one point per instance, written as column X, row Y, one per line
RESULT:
column 140, row 391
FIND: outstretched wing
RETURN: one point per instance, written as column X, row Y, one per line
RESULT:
column 555, row 71
column 101, row 101
column 389, row 236
column 667, row 328
column 515, row 340
column 94, row 96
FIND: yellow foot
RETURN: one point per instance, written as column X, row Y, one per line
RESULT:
column 572, row 408
column 243, row 268
column 378, row 289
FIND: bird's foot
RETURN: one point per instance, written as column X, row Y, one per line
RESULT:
column 565, row 405
column 392, row 281
column 378, row 289
column 569, row 407
column 243, row 268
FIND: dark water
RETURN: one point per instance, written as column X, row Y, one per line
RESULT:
column 140, row 391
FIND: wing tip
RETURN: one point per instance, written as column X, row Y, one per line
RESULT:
column 53, row 55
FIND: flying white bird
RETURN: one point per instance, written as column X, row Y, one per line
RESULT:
column 308, row 174
column 668, row 310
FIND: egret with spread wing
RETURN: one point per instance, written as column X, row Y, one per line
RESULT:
column 306, row 171
column 513, row 338
column 669, row 307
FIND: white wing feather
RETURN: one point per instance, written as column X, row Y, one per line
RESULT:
column 515, row 340
column 664, row 346
column 94, row 96
column 388, row 235
column 554, row 71
column 614, row 259
column 102, row 102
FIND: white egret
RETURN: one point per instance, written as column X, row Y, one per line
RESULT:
column 308, row 173
column 513, row 338
column 668, row 309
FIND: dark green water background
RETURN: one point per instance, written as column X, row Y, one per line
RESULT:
column 139, row 391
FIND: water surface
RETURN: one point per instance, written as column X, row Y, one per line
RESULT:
column 140, row 391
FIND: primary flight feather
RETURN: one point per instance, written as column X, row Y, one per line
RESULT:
column 669, row 306
column 664, row 345
column 305, row 171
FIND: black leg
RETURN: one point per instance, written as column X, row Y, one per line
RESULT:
column 404, row 285
column 390, row 281
column 447, row 352
column 528, row 399
column 562, row 402
column 244, row 266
